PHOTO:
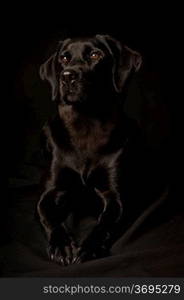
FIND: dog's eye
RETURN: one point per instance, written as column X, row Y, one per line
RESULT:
column 65, row 59
column 95, row 55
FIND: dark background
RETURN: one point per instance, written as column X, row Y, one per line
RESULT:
column 31, row 34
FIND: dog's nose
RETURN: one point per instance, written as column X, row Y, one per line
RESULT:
column 69, row 76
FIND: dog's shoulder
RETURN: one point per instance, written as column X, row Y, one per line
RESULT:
column 56, row 135
column 46, row 140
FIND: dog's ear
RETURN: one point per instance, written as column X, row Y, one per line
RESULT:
column 125, row 60
column 48, row 72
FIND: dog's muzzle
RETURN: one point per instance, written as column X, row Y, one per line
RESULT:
column 70, row 85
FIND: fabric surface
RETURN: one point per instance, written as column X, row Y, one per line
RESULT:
column 152, row 246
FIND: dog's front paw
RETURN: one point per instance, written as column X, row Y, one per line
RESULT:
column 62, row 248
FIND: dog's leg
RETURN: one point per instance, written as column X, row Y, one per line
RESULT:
column 53, row 208
column 100, row 239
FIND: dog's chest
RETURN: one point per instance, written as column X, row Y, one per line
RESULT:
column 87, row 164
column 84, row 145
column 90, row 139
column 89, row 142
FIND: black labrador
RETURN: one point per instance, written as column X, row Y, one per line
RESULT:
column 82, row 203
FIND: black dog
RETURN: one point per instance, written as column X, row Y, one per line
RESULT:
column 87, row 141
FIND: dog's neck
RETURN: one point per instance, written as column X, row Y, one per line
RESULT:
column 87, row 134
column 73, row 116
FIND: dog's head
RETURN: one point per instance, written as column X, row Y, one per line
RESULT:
column 81, row 70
